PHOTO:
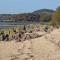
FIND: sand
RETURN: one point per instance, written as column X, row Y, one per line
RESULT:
column 46, row 47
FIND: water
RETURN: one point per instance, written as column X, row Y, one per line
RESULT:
column 14, row 24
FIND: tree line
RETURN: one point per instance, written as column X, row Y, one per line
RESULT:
column 53, row 18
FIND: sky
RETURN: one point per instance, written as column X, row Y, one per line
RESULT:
column 25, row 6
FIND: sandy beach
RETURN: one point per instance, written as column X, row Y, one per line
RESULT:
column 46, row 47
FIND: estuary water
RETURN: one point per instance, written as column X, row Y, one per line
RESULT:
column 14, row 24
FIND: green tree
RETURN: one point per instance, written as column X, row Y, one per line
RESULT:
column 56, row 17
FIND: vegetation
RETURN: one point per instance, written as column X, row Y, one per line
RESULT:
column 42, row 16
column 56, row 17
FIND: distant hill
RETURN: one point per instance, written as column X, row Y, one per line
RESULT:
column 44, row 11
column 42, row 15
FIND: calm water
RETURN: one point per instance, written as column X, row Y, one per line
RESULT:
column 14, row 24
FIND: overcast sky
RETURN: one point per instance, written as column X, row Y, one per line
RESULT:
column 21, row 6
